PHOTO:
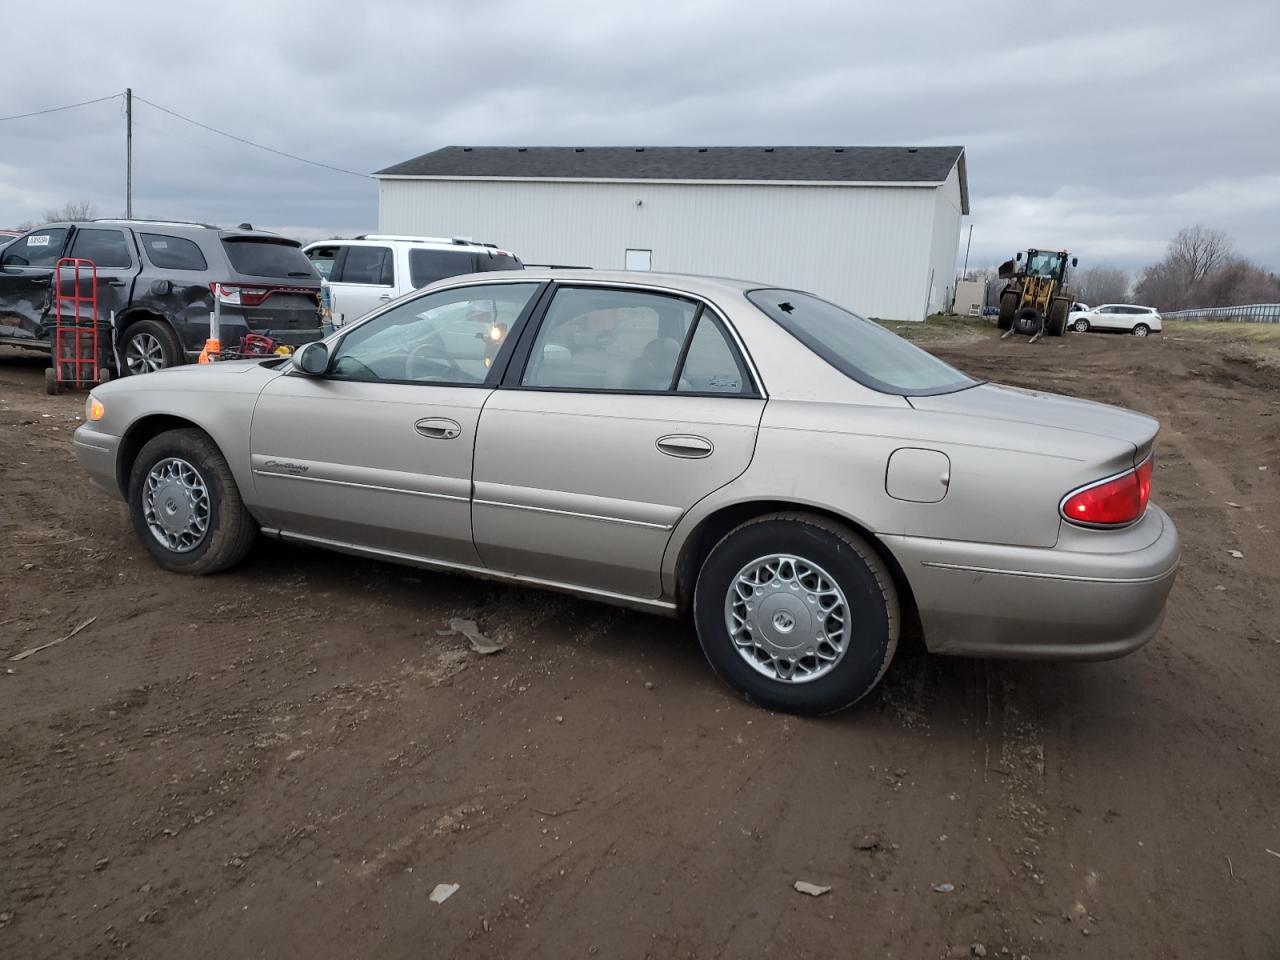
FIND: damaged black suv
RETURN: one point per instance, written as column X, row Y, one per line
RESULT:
column 158, row 280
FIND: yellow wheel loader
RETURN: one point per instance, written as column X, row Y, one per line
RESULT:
column 1035, row 301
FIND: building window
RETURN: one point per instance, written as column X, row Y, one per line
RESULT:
column 639, row 260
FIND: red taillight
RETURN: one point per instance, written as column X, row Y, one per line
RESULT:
column 1112, row 502
column 240, row 296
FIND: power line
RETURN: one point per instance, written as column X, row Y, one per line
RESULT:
column 69, row 106
column 232, row 136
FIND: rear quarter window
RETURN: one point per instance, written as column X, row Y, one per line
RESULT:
column 428, row 266
column 263, row 257
column 173, row 253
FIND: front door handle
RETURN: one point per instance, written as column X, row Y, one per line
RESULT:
column 438, row 428
column 686, row 447
column 385, row 296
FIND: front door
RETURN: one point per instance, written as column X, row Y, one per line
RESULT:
column 113, row 253
column 377, row 453
column 630, row 408
column 26, row 276
column 362, row 279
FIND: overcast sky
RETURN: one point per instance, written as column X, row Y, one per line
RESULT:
column 1100, row 127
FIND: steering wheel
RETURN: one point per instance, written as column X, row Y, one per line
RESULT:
column 434, row 356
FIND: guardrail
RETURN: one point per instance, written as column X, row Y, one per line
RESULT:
column 1249, row 313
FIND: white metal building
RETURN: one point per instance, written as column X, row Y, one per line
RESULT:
column 875, row 229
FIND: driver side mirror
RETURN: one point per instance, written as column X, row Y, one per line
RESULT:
column 312, row 358
column 1018, row 257
column 1075, row 261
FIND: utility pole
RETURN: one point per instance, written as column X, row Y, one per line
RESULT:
column 967, row 244
column 128, row 154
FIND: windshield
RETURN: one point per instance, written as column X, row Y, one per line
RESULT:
column 1043, row 265
column 861, row 350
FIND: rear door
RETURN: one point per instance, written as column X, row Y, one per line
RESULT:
column 363, row 278
column 26, row 277
column 620, row 411
column 115, row 256
column 427, row 264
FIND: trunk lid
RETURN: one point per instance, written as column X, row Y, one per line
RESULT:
column 1051, row 411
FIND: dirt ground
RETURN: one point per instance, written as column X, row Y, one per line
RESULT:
column 287, row 759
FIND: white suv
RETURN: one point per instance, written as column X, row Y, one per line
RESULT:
column 370, row 270
column 1122, row 317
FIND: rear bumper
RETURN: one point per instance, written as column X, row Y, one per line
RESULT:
column 97, row 454
column 1095, row 596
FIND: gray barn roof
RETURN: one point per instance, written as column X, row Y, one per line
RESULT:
column 899, row 165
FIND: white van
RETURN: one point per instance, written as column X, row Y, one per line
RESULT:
column 370, row 270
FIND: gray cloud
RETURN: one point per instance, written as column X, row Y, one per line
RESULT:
column 1101, row 127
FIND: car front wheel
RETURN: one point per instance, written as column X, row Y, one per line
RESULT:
column 1141, row 330
column 1082, row 326
column 185, row 506
column 797, row 613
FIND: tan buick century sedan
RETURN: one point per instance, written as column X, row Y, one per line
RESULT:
column 800, row 481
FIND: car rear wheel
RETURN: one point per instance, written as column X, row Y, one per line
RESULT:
column 1141, row 330
column 150, row 345
column 1081, row 325
column 185, row 506
column 797, row 613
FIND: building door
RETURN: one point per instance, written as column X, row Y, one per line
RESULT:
column 639, row 260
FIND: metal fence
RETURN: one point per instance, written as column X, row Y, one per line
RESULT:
column 1250, row 313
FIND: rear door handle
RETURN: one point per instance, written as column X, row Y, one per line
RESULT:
column 438, row 428
column 385, row 296
column 685, row 446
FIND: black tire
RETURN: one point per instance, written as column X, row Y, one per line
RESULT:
column 230, row 530
column 1028, row 321
column 1081, row 325
column 1141, row 330
column 1056, row 324
column 51, row 381
column 141, row 342
column 1008, row 307
column 872, row 622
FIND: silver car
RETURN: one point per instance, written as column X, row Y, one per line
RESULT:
column 802, row 483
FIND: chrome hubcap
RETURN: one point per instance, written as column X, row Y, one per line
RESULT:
column 175, row 505
column 144, row 353
column 787, row 618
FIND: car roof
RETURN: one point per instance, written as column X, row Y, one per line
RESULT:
column 687, row 282
column 379, row 239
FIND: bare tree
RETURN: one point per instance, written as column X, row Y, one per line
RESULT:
column 72, row 210
column 1198, row 251
column 1101, row 284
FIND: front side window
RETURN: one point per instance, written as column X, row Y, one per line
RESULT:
column 369, row 265
column 39, row 249
column 427, row 266
column 861, row 350
column 106, row 248
column 173, row 253
column 449, row 337
column 618, row 340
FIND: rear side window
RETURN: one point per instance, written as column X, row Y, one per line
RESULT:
column 428, row 266
column 106, row 248
column 173, row 253
column 861, row 350
column 261, row 257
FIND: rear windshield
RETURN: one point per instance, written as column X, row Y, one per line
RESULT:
column 861, row 350
column 261, row 257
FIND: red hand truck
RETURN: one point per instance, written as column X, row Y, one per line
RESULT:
column 76, row 339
